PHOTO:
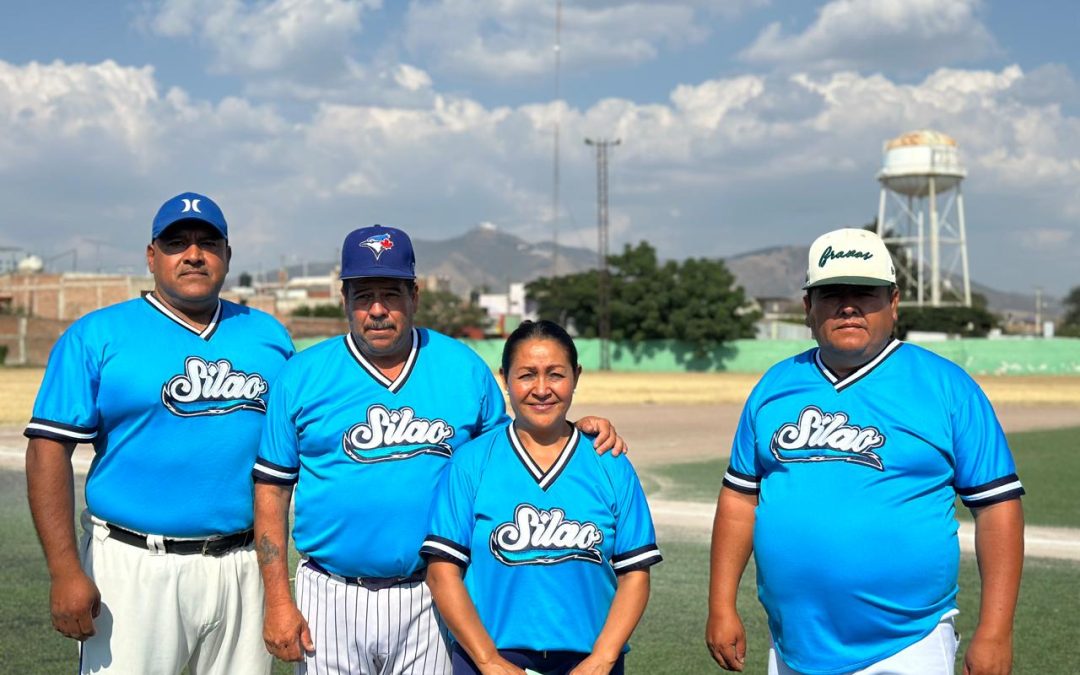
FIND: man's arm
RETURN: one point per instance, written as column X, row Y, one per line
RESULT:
column 285, row 632
column 74, row 600
column 732, row 543
column 607, row 439
column 999, row 548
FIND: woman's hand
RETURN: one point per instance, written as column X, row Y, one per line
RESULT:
column 594, row 665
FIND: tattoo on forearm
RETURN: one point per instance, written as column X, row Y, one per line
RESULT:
column 267, row 551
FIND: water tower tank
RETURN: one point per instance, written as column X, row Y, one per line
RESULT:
column 912, row 159
column 31, row 264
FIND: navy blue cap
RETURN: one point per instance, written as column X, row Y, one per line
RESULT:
column 378, row 251
column 189, row 206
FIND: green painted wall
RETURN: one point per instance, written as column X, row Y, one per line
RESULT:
column 1058, row 356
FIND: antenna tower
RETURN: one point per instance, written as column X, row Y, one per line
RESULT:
column 603, row 307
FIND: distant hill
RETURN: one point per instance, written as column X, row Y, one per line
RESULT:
column 487, row 258
column 778, row 272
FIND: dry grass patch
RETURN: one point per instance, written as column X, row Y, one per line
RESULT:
column 18, row 387
column 1032, row 390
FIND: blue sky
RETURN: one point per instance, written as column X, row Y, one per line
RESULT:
column 745, row 123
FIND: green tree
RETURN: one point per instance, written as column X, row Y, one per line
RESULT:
column 326, row 311
column 1070, row 323
column 694, row 301
column 964, row 321
column 447, row 313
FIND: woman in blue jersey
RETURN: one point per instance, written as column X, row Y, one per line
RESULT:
column 540, row 549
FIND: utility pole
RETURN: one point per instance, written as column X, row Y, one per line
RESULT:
column 555, row 163
column 603, row 307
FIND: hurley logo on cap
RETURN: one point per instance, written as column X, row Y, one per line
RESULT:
column 378, row 244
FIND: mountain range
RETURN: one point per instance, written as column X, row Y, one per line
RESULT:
column 486, row 259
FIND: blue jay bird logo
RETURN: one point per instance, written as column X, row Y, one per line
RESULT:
column 378, row 244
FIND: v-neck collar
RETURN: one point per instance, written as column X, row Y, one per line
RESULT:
column 204, row 333
column 841, row 383
column 398, row 382
column 543, row 478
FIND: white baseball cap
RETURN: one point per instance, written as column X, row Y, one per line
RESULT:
column 849, row 256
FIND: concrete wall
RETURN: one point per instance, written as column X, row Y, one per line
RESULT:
column 1058, row 356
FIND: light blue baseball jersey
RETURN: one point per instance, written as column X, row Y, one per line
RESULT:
column 174, row 413
column 541, row 548
column 855, row 534
column 365, row 453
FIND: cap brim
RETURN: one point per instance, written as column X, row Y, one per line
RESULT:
column 848, row 281
column 378, row 275
column 188, row 219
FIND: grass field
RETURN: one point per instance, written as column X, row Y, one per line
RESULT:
column 669, row 641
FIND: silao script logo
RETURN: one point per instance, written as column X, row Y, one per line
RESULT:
column 213, row 388
column 822, row 437
column 396, row 434
column 542, row 537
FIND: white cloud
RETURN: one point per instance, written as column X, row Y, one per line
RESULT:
column 515, row 38
column 744, row 162
column 411, row 78
column 304, row 38
column 894, row 35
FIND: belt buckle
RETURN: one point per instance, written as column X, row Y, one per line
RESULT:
column 206, row 547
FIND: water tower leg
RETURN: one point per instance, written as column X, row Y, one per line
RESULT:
column 881, row 214
column 963, row 245
column 935, row 251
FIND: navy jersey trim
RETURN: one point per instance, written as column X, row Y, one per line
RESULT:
column 639, row 558
column 742, row 482
column 205, row 333
column 543, row 478
column 397, row 383
column 445, row 549
column 998, row 490
column 268, row 472
column 43, row 428
column 839, row 383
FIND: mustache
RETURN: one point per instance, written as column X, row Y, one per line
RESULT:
column 385, row 324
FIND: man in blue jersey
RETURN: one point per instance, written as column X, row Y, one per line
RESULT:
column 171, row 390
column 363, row 426
column 844, row 472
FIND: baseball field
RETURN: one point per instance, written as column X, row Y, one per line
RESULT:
column 679, row 428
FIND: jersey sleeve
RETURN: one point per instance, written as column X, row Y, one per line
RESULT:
column 742, row 474
column 492, row 404
column 985, row 471
column 66, row 405
column 452, row 511
column 635, row 536
column 278, row 460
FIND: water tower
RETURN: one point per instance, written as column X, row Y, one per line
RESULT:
column 921, row 213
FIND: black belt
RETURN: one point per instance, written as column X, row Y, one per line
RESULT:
column 212, row 546
column 370, row 583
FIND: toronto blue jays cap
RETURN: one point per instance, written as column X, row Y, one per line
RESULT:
column 378, row 251
column 189, row 206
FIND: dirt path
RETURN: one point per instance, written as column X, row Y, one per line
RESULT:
column 669, row 433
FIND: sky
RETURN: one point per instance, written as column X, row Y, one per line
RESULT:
column 743, row 124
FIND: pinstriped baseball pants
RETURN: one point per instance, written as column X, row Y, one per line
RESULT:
column 357, row 631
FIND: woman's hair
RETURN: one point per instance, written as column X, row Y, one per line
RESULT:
column 538, row 330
